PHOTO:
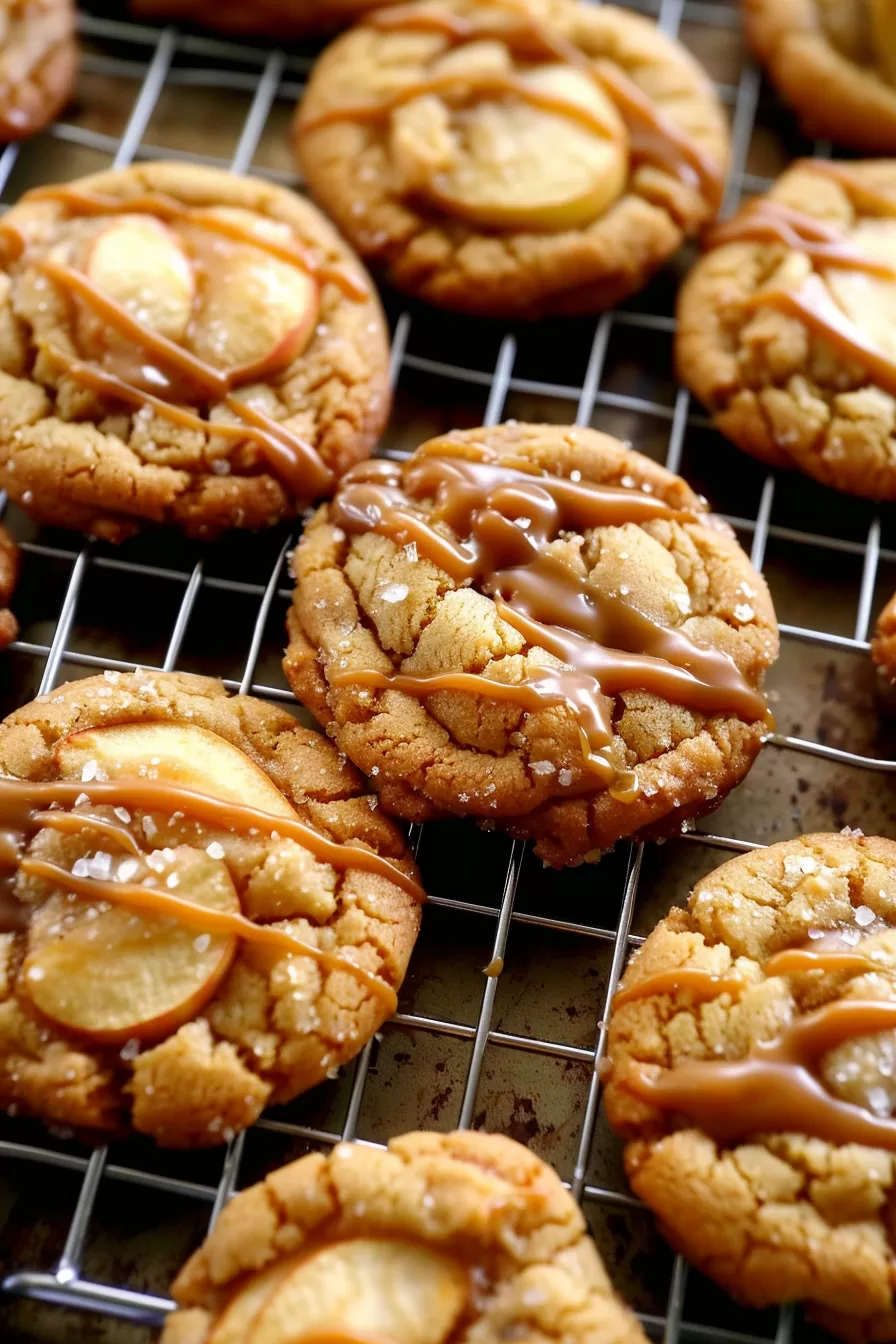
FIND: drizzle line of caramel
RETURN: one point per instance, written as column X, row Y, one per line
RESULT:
column 22, row 800
column 768, row 221
column 654, row 137
column 80, row 202
column 774, row 1089
column 856, row 188
column 509, row 518
column 151, row 900
column 813, row 305
column 291, row 458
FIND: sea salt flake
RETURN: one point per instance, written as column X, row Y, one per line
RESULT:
column 215, row 850
column 565, row 778
column 149, row 827
column 410, row 552
column 879, row 1101
column 89, row 771
column 542, row 767
column 850, row 937
column 126, row 870
column 575, row 475
column 395, row 592
column 130, row 1049
column 743, row 612
column 523, row 523
column 123, row 814
column 202, row 943
column 864, row 916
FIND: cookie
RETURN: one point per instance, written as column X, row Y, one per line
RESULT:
column 9, row 573
column 536, row 627
column 462, row 1236
column 283, row 19
column 785, row 326
column 883, row 643
column 181, row 345
column 751, row 1072
column 833, row 62
column 38, row 64
column 203, row 913
column 514, row 157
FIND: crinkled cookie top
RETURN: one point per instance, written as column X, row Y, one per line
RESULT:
column 464, row 1236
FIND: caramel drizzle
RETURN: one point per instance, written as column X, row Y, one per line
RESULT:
column 153, row 901
column 654, row 137
column 859, row 191
column 509, row 518
column 24, row 810
column 768, row 221
column 774, row 1089
column 291, row 458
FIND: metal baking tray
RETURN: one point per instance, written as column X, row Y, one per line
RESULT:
column 104, row 1230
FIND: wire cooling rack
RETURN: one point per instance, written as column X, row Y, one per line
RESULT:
column 104, row 1229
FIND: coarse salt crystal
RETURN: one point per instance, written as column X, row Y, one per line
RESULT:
column 123, row 814
column 395, row 592
column 542, row 767
column 126, row 870
column 575, row 475
column 89, row 771
column 864, row 916
column 201, row 943
column 565, row 778
column 410, row 552
column 215, row 850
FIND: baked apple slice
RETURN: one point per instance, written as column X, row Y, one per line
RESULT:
column 508, row 163
column 189, row 756
column 140, row 263
column 395, row 1290
column 869, row 300
column 235, row 1321
column 116, row 974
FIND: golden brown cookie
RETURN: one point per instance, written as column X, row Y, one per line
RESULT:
column 883, row 643
column 181, row 345
column 834, row 62
column 282, row 19
column 537, row 627
column 512, row 157
column 465, row 1236
column 38, row 63
column 9, row 573
column 786, row 325
column 203, row 912
column 752, row 1059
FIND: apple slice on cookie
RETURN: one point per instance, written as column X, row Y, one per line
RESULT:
column 170, row 753
column 387, row 1289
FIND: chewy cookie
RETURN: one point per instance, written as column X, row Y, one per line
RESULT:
column 202, row 913
column 751, row 1071
column 463, row 1236
column 282, row 19
column 533, row 626
column 785, row 326
column 38, row 63
column 834, row 62
column 181, row 345
column 512, row 157
column 9, row 573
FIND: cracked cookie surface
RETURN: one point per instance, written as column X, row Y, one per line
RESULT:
column 369, row 602
column 181, row 345
column 833, row 62
column 38, row 63
column 787, row 339
column 118, row 1013
column 466, row 1236
column 514, row 158
column 781, row 1185
column 9, row 573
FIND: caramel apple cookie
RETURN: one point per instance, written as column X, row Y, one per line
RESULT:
column 751, row 1067
column 536, row 627
column 9, row 573
column 282, row 19
column 785, row 326
column 834, row 63
column 203, row 914
column 462, row 1236
column 181, row 345
column 512, row 157
column 883, row 643
column 38, row 63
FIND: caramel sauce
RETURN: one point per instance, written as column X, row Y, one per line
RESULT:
column 654, row 137
column 775, row 1089
column 509, row 518
column 856, row 188
column 291, row 458
column 813, row 305
column 167, row 208
column 795, row 960
column 153, row 901
column 25, row 808
column 768, row 221
column 702, row 985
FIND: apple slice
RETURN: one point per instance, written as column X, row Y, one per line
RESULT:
column 253, row 307
column 869, row 300
column 140, row 263
column 518, row 165
column 183, row 754
column 233, row 1325
column 115, row 974
column 396, row 1290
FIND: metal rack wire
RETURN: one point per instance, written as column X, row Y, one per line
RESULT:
column 265, row 75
